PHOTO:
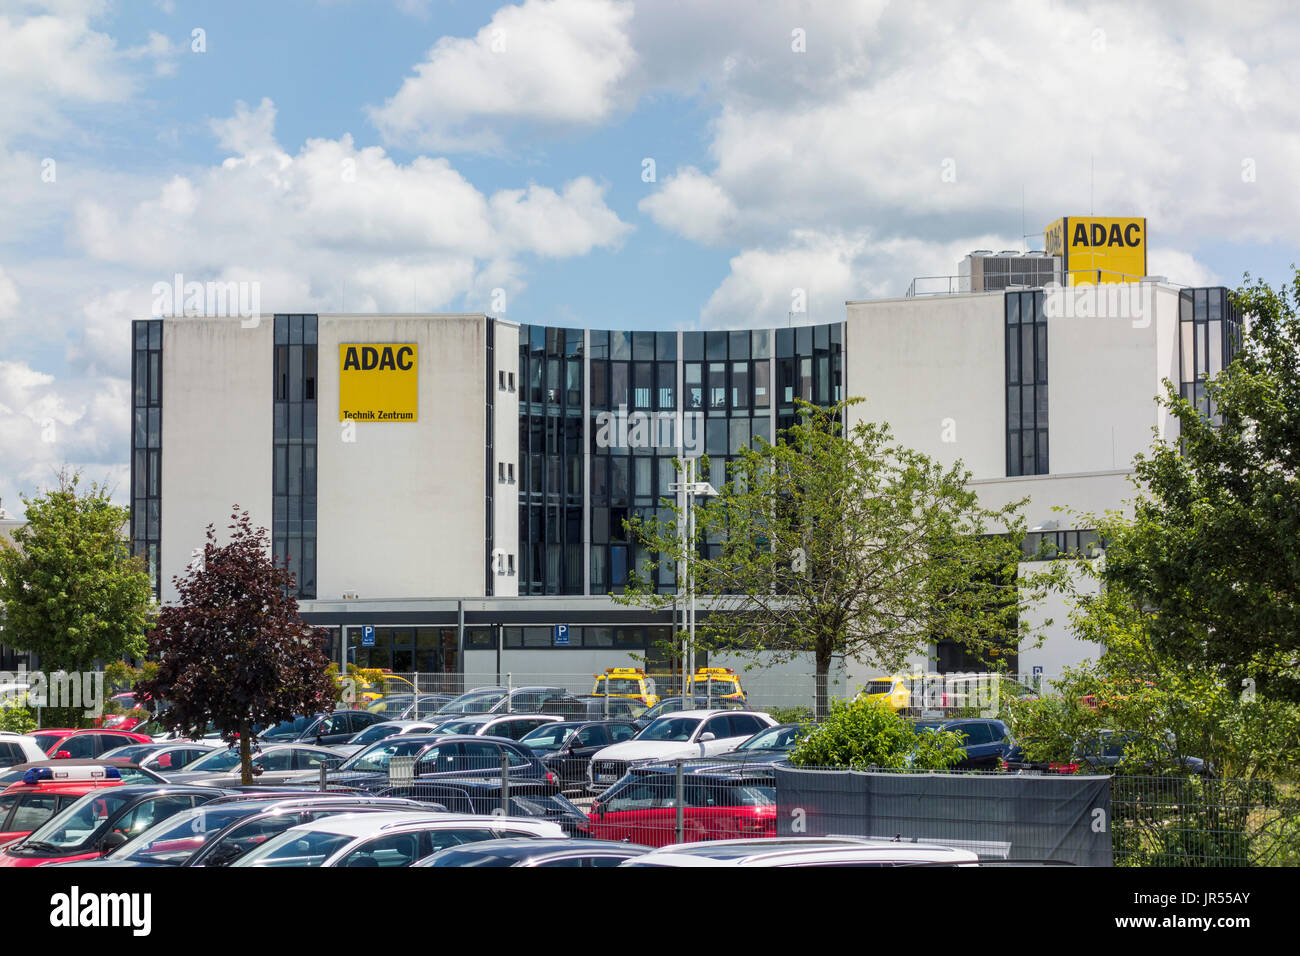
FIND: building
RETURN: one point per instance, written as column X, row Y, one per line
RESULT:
column 451, row 489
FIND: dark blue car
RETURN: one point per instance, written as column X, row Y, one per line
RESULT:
column 988, row 743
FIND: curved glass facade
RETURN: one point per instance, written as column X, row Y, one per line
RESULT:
column 603, row 413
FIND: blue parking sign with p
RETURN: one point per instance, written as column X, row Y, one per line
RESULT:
column 561, row 635
column 368, row 636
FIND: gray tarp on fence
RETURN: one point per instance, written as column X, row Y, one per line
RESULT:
column 1012, row 816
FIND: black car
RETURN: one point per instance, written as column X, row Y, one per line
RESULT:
column 410, row 706
column 322, row 729
column 103, row 820
column 535, row 853
column 568, row 746
column 483, row 797
column 988, row 743
column 446, row 756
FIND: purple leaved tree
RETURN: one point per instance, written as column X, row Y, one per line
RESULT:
column 233, row 651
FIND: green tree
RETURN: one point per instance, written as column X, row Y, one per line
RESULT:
column 840, row 542
column 70, row 589
column 1212, row 553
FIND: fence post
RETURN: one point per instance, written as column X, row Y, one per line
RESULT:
column 323, row 771
column 505, row 784
column 681, row 801
column 510, row 686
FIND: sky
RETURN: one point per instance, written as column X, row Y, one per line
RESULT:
column 601, row 163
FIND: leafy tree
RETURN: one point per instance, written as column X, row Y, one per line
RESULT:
column 71, row 591
column 233, row 651
column 842, row 543
column 863, row 734
column 1212, row 553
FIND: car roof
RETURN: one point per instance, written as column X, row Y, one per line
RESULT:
column 794, row 850
column 526, row 847
column 368, row 824
column 716, row 710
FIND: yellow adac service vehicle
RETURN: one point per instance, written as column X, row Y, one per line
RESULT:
column 719, row 682
column 626, row 682
column 895, row 692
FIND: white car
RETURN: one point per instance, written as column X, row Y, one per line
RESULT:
column 805, row 851
column 685, row 734
column 387, row 839
column 18, row 748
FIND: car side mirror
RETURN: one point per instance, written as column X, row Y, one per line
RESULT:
column 706, row 736
column 111, row 842
column 63, row 755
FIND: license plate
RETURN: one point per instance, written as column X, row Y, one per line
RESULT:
column 605, row 777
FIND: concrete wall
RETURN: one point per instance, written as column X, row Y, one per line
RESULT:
column 402, row 508
column 934, row 369
column 216, row 432
column 505, row 444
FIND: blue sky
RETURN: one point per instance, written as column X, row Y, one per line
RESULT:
column 436, row 152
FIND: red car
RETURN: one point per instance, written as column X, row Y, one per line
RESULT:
column 720, row 804
column 85, row 743
column 135, row 713
column 29, row 804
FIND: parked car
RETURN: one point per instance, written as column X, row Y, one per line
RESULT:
column 382, row 731
column 535, row 853
column 128, row 771
column 322, row 730
column 588, row 707
column 101, row 821
column 437, row 755
column 805, row 851
column 720, row 803
column 673, row 705
column 768, row 746
column 484, row 795
column 566, row 747
column 220, row 831
column 514, row 726
column 690, row 733
column 19, row 748
column 715, row 683
column 1104, row 752
column 527, row 700
column 69, row 743
column 28, row 803
column 410, row 706
column 164, row 758
column 385, row 839
column 630, row 682
column 894, row 692
column 271, row 765
column 477, row 701
column 988, row 743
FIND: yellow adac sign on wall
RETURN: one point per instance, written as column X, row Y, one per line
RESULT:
column 377, row 383
column 1099, row 248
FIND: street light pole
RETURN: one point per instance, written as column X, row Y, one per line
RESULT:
column 689, row 489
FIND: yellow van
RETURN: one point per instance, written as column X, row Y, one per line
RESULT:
column 717, row 682
column 625, row 682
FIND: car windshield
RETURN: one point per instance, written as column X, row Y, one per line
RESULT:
column 295, row 848
column 670, row 728
column 459, row 726
column 475, row 702
column 138, row 752
column 375, row 758
column 288, row 729
column 619, row 685
column 177, row 838
column 77, row 824
column 375, row 732
column 548, row 736
column 390, row 705
column 46, row 741
column 879, row 687
column 219, row 761
column 777, row 738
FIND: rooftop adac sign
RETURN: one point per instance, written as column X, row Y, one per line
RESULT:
column 1098, row 249
column 377, row 382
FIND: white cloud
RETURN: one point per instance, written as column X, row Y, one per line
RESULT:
column 543, row 62
column 692, row 205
